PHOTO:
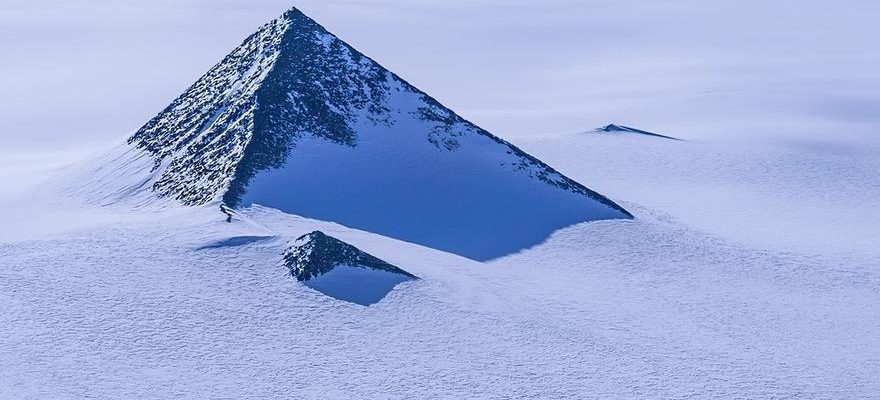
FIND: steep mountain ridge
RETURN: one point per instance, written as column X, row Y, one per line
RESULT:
column 296, row 119
column 246, row 113
column 198, row 140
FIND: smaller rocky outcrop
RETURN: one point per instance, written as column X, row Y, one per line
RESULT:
column 341, row 270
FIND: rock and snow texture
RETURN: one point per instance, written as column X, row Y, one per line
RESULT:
column 770, row 296
column 341, row 270
column 297, row 120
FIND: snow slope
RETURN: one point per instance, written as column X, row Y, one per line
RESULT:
column 813, row 195
column 673, row 304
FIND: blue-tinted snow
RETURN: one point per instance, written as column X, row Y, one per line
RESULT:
column 357, row 285
column 474, row 200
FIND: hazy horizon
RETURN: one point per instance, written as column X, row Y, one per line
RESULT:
column 82, row 75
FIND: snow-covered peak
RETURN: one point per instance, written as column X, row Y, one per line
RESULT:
column 296, row 119
column 290, row 79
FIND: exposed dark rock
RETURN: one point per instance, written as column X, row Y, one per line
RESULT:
column 316, row 254
column 621, row 128
column 288, row 80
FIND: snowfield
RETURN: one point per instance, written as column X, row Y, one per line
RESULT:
column 750, row 268
column 178, row 303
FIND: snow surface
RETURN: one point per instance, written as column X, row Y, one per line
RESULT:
column 813, row 195
column 750, row 271
column 677, row 303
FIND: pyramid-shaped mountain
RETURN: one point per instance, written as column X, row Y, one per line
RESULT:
column 295, row 119
column 315, row 254
column 341, row 270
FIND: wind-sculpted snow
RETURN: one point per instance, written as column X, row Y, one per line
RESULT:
column 641, row 309
column 680, row 303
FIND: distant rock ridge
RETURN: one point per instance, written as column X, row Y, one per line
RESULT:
column 342, row 271
column 621, row 128
column 315, row 254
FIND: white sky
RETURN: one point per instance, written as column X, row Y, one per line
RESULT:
column 78, row 74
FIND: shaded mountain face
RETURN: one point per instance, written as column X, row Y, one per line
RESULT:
column 341, row 270
column 297, row 120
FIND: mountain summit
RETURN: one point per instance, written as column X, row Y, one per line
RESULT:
column 295, row 119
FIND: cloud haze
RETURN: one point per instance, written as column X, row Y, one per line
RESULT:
column 80, row 74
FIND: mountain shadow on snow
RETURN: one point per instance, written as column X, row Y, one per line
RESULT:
column 297, row 120
column 342, row 271
column 613, row 128
column 236, row 241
